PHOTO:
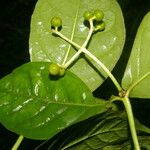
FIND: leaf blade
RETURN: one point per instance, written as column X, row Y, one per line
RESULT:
column 37, row 106
column 45, row 47
column 137, row 74
column 106, row 131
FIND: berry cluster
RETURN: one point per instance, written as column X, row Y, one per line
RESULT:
column 97, row 17
column 96, row 23
column 55, row 70
column 56, row 22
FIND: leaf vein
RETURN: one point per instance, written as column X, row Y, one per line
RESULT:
column 137, row 82
column 73, row 31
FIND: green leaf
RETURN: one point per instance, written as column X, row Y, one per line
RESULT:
column 106, row 45
column 108, row 131
column 125, row 145
column 137, row 75
column 38, row 106
column 141, row 127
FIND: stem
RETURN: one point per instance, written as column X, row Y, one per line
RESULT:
column 128, row 108
column 65, row 65
column 89, row 34
column 75, row 56
column 104, row 68
column 66, row 39
column 124, row 99
column 84, row 50
column 17, row 143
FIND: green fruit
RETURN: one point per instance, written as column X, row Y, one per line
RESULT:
column 54, row 69
column 88, row 15
column 61, row 71
column 56, row 22
column 99, row 15
column 100, row 26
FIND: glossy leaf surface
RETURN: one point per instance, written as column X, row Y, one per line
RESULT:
column 38, row 106
column 137, row 74
column 106, row 45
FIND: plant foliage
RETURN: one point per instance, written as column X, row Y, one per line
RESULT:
column 106, row 45
column 38, row 104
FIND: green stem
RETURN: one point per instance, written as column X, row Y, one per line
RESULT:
column 124, row 99
column 72, row 59
column 65, row 65
column 80, row 47
column 84, row 50
column 128, row 108
column 66, row 39
column 17, row 143
column 89, row 34
column 104, row 68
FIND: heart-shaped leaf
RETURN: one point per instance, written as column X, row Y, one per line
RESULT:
column 38, row 106
column 106, row 45
column 137, row 75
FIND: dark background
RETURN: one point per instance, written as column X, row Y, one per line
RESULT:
column 15, row 16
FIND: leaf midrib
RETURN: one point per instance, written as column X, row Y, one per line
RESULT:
column 73, row 29
column 47, row 100
column 137, row 82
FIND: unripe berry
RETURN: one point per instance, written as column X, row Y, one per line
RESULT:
column 56, row 22
column 61, row 71
column 87, row 15
column 100, row 26
column 54, row 69
column 99, row 15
